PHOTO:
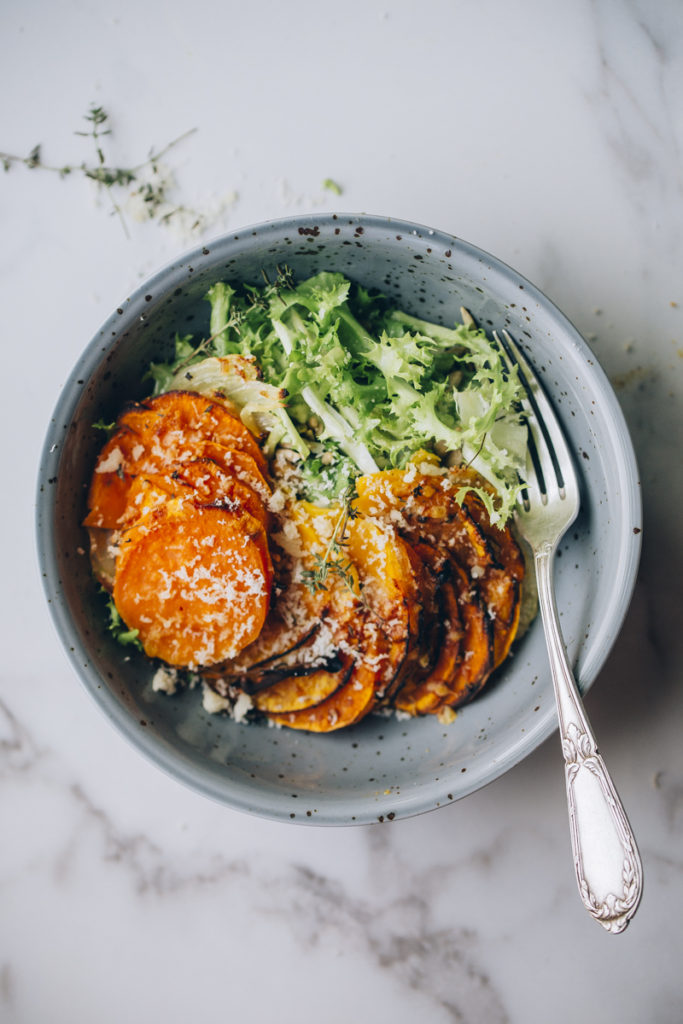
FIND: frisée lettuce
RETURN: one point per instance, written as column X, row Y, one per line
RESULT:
column 351, row 385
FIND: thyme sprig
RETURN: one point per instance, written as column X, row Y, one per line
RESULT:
column 154, row 194
column 332, row 561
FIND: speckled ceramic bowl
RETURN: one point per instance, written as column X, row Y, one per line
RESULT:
column 382, row 768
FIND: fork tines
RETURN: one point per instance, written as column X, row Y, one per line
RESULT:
column 544, row 435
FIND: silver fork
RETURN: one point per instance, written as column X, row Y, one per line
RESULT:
column 606, row 859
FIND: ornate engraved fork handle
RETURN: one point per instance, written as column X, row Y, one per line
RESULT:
column 606, row 859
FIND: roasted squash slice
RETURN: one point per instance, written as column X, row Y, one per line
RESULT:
column 423, row 507
column 371, row 615
column 426, row 510
column 301, row 692
column 428, row 684
column 358, row 696
column 475, row 663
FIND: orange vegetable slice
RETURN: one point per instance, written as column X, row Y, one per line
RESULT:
column 358, row 696
column 428, row 681
column 124, row 457
column 195, row 582
column 300, row 692
column 183, row 418
column 425, row 509
column 475, row 664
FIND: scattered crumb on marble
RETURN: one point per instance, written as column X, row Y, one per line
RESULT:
column 638, row 375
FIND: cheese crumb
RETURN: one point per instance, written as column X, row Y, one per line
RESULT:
column 165, row 680
column 212, row 702
column 242, row 706
column 112, row 463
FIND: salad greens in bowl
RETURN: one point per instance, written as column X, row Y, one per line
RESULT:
column 355, row 348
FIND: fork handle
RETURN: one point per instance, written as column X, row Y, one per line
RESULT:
column 606, row 860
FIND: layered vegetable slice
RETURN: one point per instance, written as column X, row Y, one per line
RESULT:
column 429, row 683
column 178, row 434
column 436, row 510
column 358, row 696
column 368, row 625
column 181, row 418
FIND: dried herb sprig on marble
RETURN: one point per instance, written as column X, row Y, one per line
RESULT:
column 151, row 194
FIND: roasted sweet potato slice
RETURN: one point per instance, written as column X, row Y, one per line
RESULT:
column 215, row 485
column 232, row 461
column 111, row 480
column 194, row 582
column 183, row 417
column 146, row 493
column 124, row 457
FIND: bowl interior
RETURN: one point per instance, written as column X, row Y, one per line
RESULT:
column 382, row 767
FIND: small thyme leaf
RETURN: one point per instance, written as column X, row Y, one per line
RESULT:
column 331, row 562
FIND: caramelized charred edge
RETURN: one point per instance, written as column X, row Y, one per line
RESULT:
column 426, row 694
column 397, row 667
column 226, row 669
column 425, row 654
column 510, row 559
column 463, row 537
column 351, row 702
column 470, row 538
column 321, row 683
column 503, row 544
column 467, row 680
column 332, row 662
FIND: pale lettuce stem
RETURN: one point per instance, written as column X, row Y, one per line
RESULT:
column 335, row 425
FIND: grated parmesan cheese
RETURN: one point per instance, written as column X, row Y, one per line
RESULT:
column 113, row 462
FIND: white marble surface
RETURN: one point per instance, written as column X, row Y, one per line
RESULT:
column 548, row 133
